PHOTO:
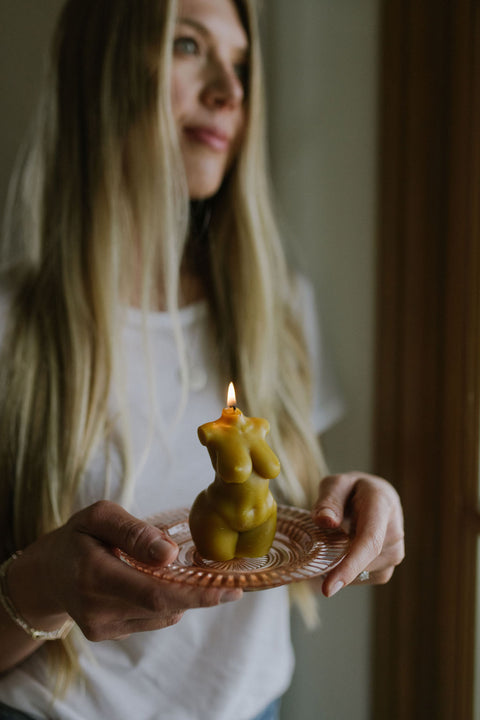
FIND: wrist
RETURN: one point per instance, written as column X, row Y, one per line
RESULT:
column 23, row 603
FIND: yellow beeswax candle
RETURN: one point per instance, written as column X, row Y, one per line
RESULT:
column 236, row 516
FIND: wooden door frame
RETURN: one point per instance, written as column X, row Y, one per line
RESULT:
column 428, row 352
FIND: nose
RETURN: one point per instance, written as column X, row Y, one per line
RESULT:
column 223, row 87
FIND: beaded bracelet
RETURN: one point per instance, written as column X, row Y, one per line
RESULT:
column 15, row 615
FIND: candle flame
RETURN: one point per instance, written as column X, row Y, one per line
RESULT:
column 231, row 397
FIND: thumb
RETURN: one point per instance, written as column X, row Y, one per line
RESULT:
column 113, row 525
column 334, row 491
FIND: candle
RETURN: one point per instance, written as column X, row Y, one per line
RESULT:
column 236, row 516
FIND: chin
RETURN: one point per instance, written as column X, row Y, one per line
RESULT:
column 201, row 195
column 204, row 182
column 203, row 191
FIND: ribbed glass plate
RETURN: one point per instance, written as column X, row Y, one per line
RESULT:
column 300, row 551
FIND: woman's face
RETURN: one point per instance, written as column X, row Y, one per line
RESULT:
column 210, row 66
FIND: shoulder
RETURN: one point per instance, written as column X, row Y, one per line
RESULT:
column 328, row 405
column 302, row 289
column 303, row 302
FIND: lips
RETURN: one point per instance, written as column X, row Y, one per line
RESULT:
column 212, row 137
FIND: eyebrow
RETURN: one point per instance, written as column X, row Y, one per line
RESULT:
column 194, row 23
column 242, row 50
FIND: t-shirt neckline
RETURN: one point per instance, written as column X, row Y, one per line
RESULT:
column 159, row 318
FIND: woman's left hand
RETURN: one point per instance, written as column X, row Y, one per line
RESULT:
column 370, row 509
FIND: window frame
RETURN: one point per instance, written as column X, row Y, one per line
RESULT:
column 427, row 413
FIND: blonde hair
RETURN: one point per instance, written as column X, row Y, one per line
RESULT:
column 253, row 292
column 99, row 174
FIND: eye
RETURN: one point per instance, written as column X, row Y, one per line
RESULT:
column 186, row 45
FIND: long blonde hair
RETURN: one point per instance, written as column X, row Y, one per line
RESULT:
column 98, row 174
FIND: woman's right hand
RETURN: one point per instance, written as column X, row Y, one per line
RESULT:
column 77, row 574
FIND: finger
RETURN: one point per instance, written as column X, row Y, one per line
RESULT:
column 124, row 629
column 114, row 526
column 371, row 526
column 128, row 587
column 375, row 577
column 173, row 596
column 157, row 623
column 120, row 593
column 334, row 492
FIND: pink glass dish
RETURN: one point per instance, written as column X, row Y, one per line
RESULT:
column 300, row 551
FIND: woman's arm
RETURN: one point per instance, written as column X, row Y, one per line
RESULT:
column 22, row 589
column 71, row 572
column 371, row 508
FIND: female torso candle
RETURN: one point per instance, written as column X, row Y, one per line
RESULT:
column 236, row 516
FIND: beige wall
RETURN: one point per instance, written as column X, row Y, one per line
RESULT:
column 322, row 61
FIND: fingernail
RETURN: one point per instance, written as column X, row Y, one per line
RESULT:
column 336, row 588
column 230, row 596
column 157, row 547
column 326, row 512
column 165, row 536
column 326, row 515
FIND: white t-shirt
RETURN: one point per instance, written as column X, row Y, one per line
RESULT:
column 222, row 663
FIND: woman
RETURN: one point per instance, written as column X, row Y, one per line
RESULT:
column 145, row 273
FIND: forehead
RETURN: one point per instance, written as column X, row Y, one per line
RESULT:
column 216, row 17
